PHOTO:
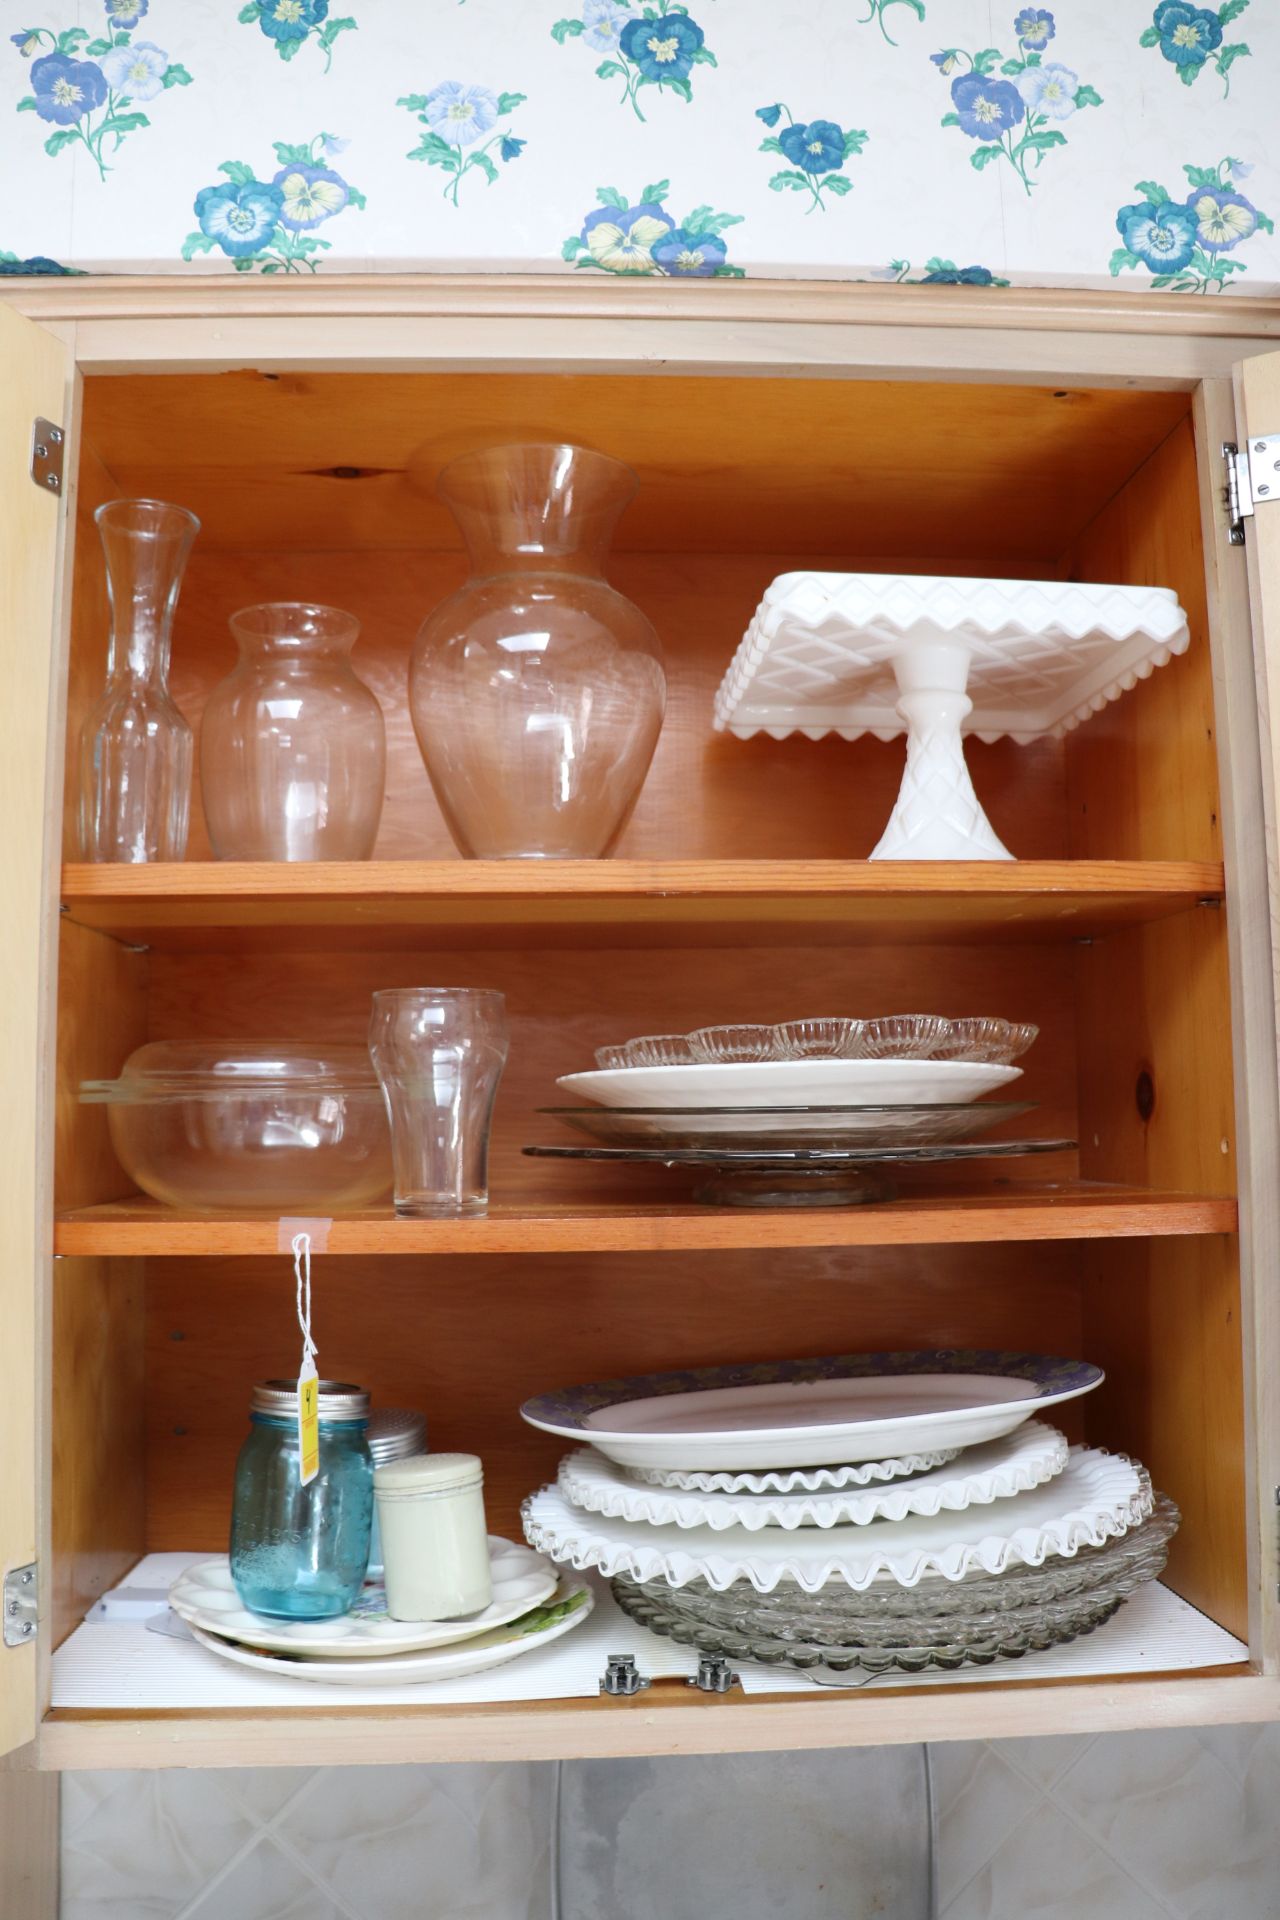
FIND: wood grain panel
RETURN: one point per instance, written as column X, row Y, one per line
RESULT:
column 298, row 460
column 86, row 665
column 99, row 1432
column 102, row 1017
column 561, row 1006
column 468, row 1341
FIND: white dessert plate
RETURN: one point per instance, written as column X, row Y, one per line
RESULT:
column 1033, row 1454
column 811, row 1413
column 205, row 1597
column 568, row 1606
column 865, row 1473
column 792, row 1083
column 1095, row 1498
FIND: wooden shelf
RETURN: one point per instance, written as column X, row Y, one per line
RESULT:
column 1079, row 1212
column 469, row 903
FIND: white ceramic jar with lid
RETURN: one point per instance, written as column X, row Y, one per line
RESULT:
column 435, row 1545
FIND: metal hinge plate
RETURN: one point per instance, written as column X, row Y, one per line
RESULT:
column 1253, row 479
column 47, row 445
column 21, row 1605
column 622, row 1678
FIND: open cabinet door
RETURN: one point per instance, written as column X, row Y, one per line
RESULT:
column 34, row 368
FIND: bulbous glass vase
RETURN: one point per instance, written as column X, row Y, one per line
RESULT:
column 292, row 742
column 537, row 690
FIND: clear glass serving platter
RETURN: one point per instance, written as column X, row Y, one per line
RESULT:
column 773, row 1176
column 706, row 1128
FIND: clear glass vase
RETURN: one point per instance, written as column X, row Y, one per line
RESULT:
column 292, row 744
column 135, row 746
column 537, row 690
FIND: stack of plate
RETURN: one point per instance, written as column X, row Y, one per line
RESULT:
column 880, row 1511
column 532, row 1605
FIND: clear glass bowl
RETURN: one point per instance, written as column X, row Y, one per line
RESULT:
column 651, row 1050
column 997, row 1042
column 725, row 1046
column 832, row 1038
column 904, row 1036
column 250, row 1126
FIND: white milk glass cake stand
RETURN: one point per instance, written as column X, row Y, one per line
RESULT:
column 939, row 657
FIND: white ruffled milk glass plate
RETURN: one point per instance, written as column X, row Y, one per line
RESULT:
column 811, row 1413
column 568, row 1605
column 1026, row 1458
column 792, row 1083
column 205, row 1597
column 866, row 1473
column 1097, row 1497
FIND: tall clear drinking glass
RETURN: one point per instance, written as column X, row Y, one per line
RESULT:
column 439, row 1054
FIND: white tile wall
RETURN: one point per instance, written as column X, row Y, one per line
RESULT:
column 1183, row 1825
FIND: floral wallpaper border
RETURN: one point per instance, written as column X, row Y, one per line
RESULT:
column 833, row 140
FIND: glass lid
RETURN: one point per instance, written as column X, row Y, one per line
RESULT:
column 222, row 1069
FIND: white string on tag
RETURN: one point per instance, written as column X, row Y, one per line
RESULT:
column 302, row 1276
column 308, row 1380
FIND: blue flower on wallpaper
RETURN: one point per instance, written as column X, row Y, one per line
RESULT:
column 269, row 224
column 621, row 237
column 1191, row 37
column 89, row 89
column 817, row 150
column 1185, row 243
column 1009, row 111
column 453, row 118
column 289, row 24
column 11, row 267
column 943, row 273
column 1035, row 28
column 655, row 47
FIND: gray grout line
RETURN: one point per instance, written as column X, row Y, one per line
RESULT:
column 291, row 1852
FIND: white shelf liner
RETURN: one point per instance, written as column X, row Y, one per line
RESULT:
column 125, row 1667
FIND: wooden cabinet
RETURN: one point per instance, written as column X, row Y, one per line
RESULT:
column 772, row 427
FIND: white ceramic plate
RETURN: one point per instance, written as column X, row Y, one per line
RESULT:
column 569, row 1605
column 811, row 1413
column 205, row 1597
column 1027, row 1458
column 792, row 1083
column 1096, row 1497
column 866, row 1473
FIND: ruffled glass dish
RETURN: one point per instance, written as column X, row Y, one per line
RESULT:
column 983, row 1039
column 832, row 1038
column 726, row 1046
column 999, row 1042
column 650, row 1050
column 904, row 1036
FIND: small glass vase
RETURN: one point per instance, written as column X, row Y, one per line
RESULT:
column 135, row 746
column 537, row 690
column 292, row 744
column 439, row 1054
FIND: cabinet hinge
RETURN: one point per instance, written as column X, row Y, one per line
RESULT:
column 1253, row 479
column 21, row 1605
column 47, row 445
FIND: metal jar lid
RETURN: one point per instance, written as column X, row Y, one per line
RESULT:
column 337, row 1400
column 395, row 1433
column 427, row 1474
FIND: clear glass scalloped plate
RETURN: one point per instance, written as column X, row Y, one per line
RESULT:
column 705, row 1128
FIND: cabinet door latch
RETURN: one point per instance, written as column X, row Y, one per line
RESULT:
column 47, row 446
column 1253, row 479
column 714, row 1675
column 20, row 1605
column 622, row 1677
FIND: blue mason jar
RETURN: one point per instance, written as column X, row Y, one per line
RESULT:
column 300, row 1553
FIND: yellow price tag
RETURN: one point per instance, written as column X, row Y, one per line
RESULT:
column 309, row 1422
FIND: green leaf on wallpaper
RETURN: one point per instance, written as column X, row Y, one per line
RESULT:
column 197, row 243
column 917, row 6
column 176, row 76
column 288, row 50
column 244, row 266
column 485, row 165
column 837, row 183
column 122, row 123
column 508, row 102
column 27, row 104
column 1231, row 10
column 1265, row 223
column 681, row 87
column 1150, row 37
column 1041, row 142
column 610, row 197
column 705, row 58
column 1227, row 56
column 988, row 58
column 1202, row 176
column 572, row 248
column 702, row 221
column 951, row 119
column 655, row 192
column 1163, row 280
column 356, row 199
column 1152, row 190
column 414, row 101
column 238, row 173
column 69, row 41
column 249, row 15
column 291, row 156
column 65, row 137
column 607, row 69
column 983, row 156
column 96, row 48
column 795, row 182
column 567, row 30
column 330, row 33
column 1187, row 75
column 435, row 151
column 725, row 272
column 766, row 146
column 1012, row 66
column 854, row 141
column 1088, row 96
column 1122, row 258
